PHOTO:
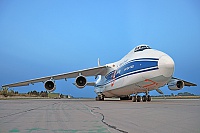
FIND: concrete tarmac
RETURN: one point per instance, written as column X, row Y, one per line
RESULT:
column 90, row 116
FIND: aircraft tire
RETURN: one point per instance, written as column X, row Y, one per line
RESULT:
column 148, row 98
column 130, row 97
column 138, row 98
column 100, row 98
column 144, row 98
column 134, row 98
column 97, row 98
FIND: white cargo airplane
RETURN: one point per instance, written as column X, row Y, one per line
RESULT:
column 143, row 69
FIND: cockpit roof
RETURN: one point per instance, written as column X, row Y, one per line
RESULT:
column 141, row 48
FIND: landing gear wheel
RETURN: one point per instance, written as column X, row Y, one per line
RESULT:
column 100, row 98
column 134, row 98
column 130, row 97
column 148, row 98
column 138, row 99
column 97, row 98
column 144, row 98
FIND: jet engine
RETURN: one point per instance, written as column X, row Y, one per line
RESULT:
column 175, row 84
column 50, row 85
column 80, row 82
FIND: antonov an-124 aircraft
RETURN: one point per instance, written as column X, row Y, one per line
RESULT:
column 143, row 69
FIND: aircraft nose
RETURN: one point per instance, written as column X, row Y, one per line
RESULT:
column 166, row 65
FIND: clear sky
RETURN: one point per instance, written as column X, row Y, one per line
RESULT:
column 46, row 37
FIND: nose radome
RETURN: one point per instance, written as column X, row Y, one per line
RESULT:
column 166, row 65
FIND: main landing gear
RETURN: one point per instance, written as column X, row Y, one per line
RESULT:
column 136, row 98
column 145, row 98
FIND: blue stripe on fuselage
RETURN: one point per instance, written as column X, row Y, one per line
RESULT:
column 132, row 67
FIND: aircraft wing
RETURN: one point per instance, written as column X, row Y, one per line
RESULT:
column 186, row 83
column 101, row 70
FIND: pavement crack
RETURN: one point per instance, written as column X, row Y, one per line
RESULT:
column 25, row 111
column 94, row 110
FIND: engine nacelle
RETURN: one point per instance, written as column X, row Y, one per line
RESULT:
column 175, row 84
column 80, row 82
column 50, row 85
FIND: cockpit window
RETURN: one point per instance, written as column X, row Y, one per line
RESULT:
column 141, row 48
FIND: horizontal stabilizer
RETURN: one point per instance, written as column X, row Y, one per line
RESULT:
column 186, row 83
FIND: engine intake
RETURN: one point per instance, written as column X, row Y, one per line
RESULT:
column 81, row 82
column 50, row 85
column 175, row 84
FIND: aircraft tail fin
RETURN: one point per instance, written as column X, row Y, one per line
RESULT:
column 99, row 62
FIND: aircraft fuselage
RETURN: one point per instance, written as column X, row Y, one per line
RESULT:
column 137, row 72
